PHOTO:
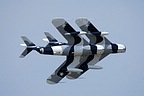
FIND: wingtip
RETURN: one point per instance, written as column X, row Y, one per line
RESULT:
column 58, row 22
column 21, row 56
column 81, row 21
column 70, row 77
column 50, row 82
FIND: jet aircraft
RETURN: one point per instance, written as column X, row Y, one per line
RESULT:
column 81, row 55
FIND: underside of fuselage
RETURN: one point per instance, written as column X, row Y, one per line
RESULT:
column 81, row 55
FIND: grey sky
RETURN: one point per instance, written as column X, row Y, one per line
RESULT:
column 123, row 74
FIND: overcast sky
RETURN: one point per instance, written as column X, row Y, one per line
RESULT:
column 122, row 74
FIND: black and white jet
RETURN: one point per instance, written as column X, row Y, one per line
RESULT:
column 80, row 54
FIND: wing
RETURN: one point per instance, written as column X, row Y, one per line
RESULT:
column 91, row 60
column 61, row 71
column 86, row 25
column 65, row 68
column 89, row 63
column 63, row 27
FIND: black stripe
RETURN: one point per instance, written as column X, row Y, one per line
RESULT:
column 71, row 52
column 77, row 40
column 74, row 33
column 93, row 49
column 99, row 39
column 68, row 28
column 63, row 67
column 95, row 32
column 48, row 50
column 114, row 48
column 91, row 28
column 84, row 66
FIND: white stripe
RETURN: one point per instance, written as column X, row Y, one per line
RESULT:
column 57, row 50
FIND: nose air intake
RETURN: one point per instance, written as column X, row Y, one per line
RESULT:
column 121, row 48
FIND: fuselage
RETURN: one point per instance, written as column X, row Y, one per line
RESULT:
column 81, row 55
column 77, row 50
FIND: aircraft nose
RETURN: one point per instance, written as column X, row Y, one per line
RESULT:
column 121, row 48
column 124, row 48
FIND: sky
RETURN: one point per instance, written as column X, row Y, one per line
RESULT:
column 122, row 74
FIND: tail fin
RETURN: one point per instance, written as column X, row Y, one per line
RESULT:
column 50, row 37
column 27, row 41
column 30, row 46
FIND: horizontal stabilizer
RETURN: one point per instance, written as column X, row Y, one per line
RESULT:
column 94, row 67
column 25, row 52
column 29, row 46
column 74, row 70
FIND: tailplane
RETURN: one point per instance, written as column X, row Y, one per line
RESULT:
column 29, row 46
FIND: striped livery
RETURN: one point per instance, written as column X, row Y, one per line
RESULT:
column 81, row 55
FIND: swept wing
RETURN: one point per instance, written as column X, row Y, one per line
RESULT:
column 95, row 38
column 68, row 32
